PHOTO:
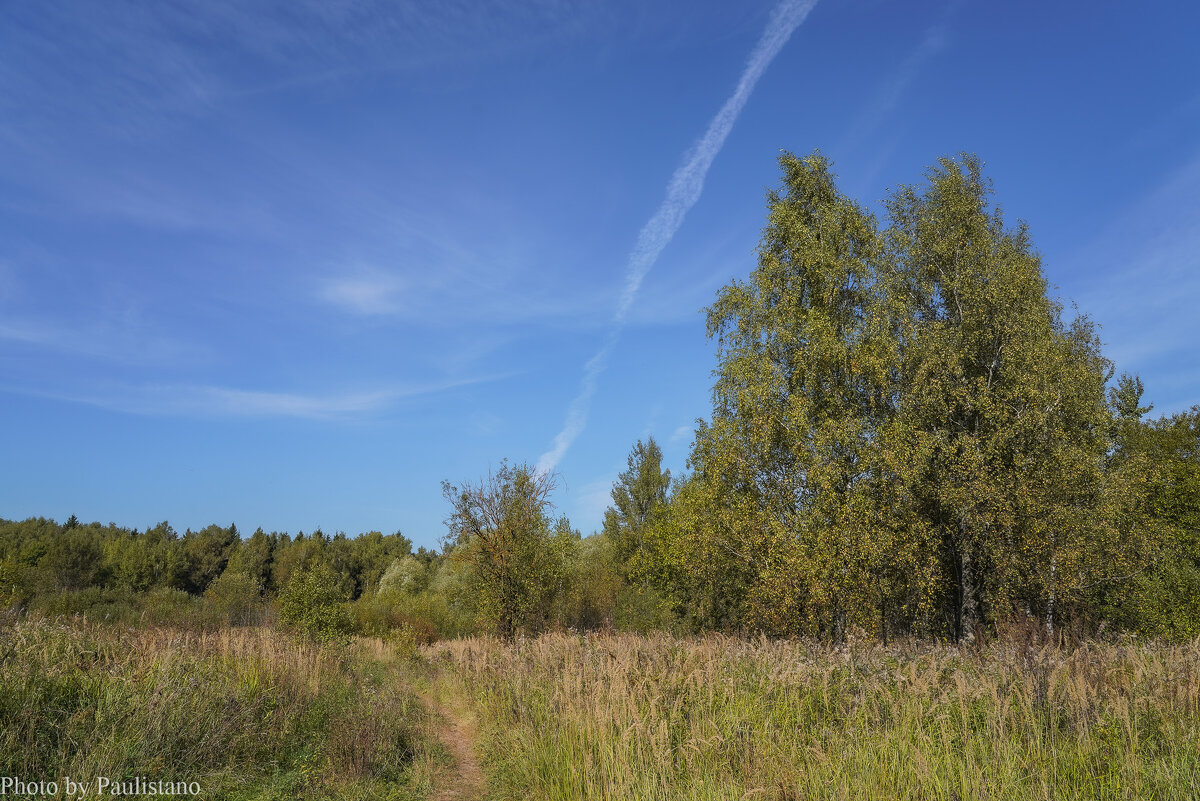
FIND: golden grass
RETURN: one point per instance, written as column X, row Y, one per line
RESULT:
column 629, row 717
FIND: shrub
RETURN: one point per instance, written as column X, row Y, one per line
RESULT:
column 233, row 598
column 112, row 605
column 167, row 606
column 313, row 603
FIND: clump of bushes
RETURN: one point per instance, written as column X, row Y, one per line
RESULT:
column 313, row 602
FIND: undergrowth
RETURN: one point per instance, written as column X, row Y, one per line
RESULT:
column 246, row 713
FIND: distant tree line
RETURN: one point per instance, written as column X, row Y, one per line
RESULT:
column 908, row 438
column 39, row 556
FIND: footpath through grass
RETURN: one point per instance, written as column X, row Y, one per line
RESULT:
column 244, row 713
column 613, row 718
column 252, row 713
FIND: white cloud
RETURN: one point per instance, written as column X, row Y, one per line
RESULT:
column 367, row 293
column 578, row 411
column 157, row 60
column 681, row 434
column 189, row 400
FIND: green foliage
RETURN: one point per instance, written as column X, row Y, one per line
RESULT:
column 589, row 580
column 253, row 558
column 375, row 552
column 407, row 575
column 73, row 559
column 907, row 439
column 234, row 598
column 14, row 584
column 499, row 531
column 1002, row 410
column 314, row 603
column 906, row 436
column 203, row 579
column 690, row 558
column 1164, row 599
column 641, row 609
column 637, row 494
column 97, row 603
column 293, row 556
column 1173, row 443
column 139, row 562
column 796, row 518
column 206, row 553
column 168, row 606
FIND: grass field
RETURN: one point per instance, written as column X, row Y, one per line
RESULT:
column 253, row 713
column 628, row 717
column 245, row 713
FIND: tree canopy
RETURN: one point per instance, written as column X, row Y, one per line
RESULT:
column 906, row 433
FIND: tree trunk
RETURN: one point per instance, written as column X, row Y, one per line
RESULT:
column 883, row 632
column 1053, row 595
column 968, row 616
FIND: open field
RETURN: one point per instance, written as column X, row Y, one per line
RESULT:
column 253, row 713
column 629, row 717
column 246, row 713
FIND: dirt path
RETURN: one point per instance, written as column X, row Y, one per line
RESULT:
column 463, row 780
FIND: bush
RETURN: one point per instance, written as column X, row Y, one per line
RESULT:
column 167, row 606
column 233, row 598
column 313, row 603
column 407, row 575
column 96, row 603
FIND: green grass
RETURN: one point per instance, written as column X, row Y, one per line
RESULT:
column 627, row 717
column 247, row 713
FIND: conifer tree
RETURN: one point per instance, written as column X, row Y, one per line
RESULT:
column 636, row 494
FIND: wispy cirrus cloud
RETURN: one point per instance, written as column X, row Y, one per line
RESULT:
column 681, row 434
column 364, row 292
column 455, row 289
column 683, row 191
column 1150, row 259
column 106, row 340
column 888, row 96
column 167, row 60
column 207, row 401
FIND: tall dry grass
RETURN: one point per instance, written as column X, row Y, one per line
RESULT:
column 626, row 717
column 245, row 712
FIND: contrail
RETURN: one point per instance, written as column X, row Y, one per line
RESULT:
column 682, row 193
column 890, row 94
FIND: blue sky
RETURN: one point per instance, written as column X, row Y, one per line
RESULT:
column 290, row 264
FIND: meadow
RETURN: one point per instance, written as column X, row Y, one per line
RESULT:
column 258, row 712
column 659, row 717
column 244, row 713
